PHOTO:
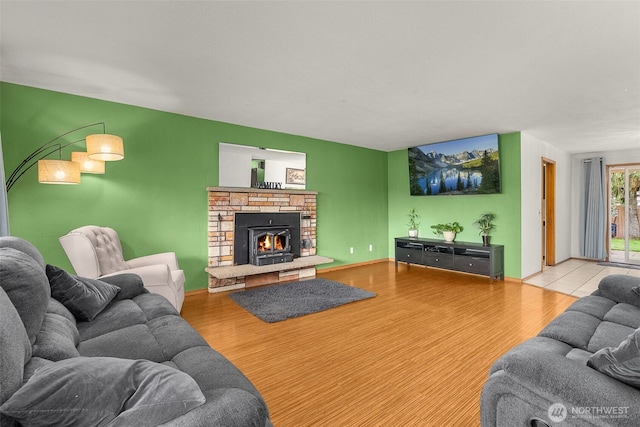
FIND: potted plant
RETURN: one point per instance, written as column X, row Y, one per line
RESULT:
column 413, row 222
column 486, row 226
column 447, row 230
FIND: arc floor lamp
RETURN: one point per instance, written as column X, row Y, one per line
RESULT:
column 101, row 147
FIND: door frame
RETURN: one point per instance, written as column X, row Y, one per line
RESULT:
column 610, row 169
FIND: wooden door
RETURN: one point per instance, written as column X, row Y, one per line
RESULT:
column 548, row 212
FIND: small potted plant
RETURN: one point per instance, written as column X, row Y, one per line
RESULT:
column 448, row 230
column 413, row 223
column 486, row 226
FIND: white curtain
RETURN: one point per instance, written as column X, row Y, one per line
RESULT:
column 593, row 215
column 4, row 204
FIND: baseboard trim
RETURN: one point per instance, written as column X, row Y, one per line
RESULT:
column 195, row 292
column 357, row 264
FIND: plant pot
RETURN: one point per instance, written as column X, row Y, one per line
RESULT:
column 413, row 233
column 485, row 240
column 449, row 236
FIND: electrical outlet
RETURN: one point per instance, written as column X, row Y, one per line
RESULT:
column 370, row 248
column 351, row 250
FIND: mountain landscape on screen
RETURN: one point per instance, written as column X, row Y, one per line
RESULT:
column 458, row 167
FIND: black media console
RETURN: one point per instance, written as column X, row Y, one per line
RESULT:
column 459, row 256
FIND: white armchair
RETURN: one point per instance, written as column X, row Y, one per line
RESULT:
column 96, row 252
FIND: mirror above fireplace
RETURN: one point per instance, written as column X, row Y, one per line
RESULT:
column 244, row 166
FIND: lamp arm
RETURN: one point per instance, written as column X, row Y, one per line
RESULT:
column 20, row 170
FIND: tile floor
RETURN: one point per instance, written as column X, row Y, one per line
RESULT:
column 576, row 277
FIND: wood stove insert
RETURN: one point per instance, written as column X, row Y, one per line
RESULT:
column 269, row 245
column 252, row 230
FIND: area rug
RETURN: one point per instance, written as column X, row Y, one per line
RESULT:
column 620, row 265
column 275, row 303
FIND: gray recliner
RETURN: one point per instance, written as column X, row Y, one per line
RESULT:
column 96, row 252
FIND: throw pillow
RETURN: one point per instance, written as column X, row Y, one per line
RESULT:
column 84, row 297
column 621, row 363
column 130, row 285
column 73, row 392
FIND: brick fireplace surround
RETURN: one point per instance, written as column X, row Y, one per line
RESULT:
column 224, row 202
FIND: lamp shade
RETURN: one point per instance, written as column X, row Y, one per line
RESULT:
column 103, row 146
column 58, row 172
column 87, row 165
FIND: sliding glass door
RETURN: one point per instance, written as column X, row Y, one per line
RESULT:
column 624, row 236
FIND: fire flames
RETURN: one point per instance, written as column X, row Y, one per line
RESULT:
column 264, row 244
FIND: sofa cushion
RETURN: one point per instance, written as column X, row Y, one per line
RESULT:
column 132, row 342
column 593, row 305
column 608, row 334
column 84, row 297
column 226, row 407
column 31, row 367
column 57, row 339
column 620, row 288
column 122, row 328
column 579, row 355
column 56, row 307
column 15, row 349
column 122, row 314
column 622, row 362
column 624, row 314
column 26, row 285
column 572, row 327
column 23, row 246
column 212, row 371
column 73, row 392
column 174, row 335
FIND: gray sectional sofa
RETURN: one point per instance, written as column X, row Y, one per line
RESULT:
column 583, row 368
column 86, row 352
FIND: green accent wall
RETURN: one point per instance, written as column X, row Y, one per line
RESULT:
column 464, row 209
column 157, row 201
column 156, row 197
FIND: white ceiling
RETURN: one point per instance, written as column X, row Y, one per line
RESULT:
column 385, row 75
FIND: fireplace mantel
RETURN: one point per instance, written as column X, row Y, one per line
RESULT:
column 225, row 202
column 260, row 190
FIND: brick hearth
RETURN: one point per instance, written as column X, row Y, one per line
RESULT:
column 224, row 202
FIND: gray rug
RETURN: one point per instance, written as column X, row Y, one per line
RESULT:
column 620, row 265
column 280, row 302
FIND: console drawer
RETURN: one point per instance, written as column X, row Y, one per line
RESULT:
column 469, row 264
column 409, row 255
column 435, row 259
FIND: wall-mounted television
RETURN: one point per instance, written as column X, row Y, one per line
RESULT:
column 458, row 167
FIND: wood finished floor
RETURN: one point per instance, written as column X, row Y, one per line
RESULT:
column 415, row 355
